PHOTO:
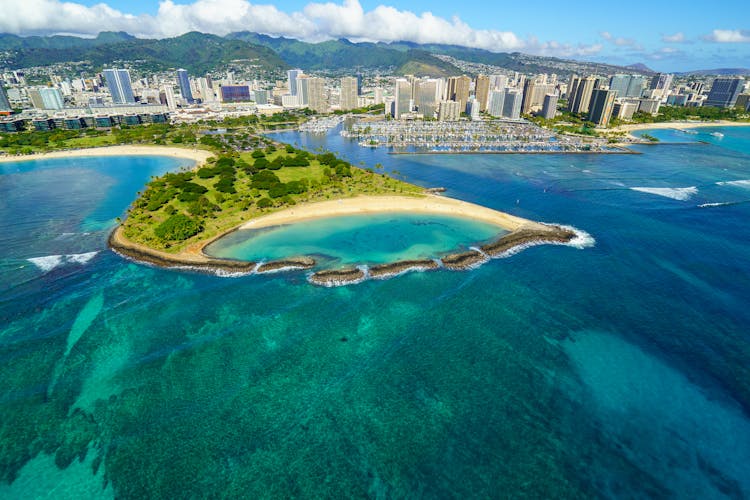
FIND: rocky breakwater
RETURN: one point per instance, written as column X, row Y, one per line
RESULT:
column 288, row 264
column 382, row 271
column 338, row 277
column 532, row 234
column 198, row 262
column 524, row 236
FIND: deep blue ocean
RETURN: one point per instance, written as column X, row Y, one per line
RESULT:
column 620, row 370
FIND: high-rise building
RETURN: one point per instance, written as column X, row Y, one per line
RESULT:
column 349, row 93
column 549, row 108
column 624, row 110
column 184, row 81
column 458, row 90
column 402, row 97
column 512, row 104
column 724, row 92
column 46, row 98
column 498, row 82
column 579, row 102
column 4, row 102
column 234, row 93
column 602, row 105
column 449, row 111
column 169, row 97
column 261, row 97
column 206, row 90
column 292, row 76
column 496, row 103
column 311, row 92
column 378, row 95
column 660, row 84
column 481, row 91
column 472, row 108
column 426, row 97
column 743, row 101
column 118, row 82
column 572, row 89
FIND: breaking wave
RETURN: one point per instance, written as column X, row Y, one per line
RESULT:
column 681, row 194
column 50, row 262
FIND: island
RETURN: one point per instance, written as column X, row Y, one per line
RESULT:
column 180, row 213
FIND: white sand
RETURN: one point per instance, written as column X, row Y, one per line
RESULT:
column 676, row 125
column 198, row 155
column 430, row 204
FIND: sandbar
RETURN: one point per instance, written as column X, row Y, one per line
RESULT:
column 198, row 155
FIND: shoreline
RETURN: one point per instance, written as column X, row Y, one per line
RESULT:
column 521, row 232
column 681, row 125
column 197, row 155
column 363, row 205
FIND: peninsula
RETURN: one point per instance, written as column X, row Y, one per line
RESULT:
column 179, row 214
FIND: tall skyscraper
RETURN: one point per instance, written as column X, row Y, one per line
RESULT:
column 579, row 103
column 549, row 108
column 206, row 90
column 482, row 90
column 118, row 82
column 660, row 84
column 4, row 102
column 426, row 97
column 512, row 104
column 349, row 93
column 496, row 103
column 724, row 92
column 498, row 82
column 311, row 93
column 261, row 97
column 458, row 90
column 602, row 105
column 169, row 96
column 292, row 76
column 402, row 97
column 184, row 81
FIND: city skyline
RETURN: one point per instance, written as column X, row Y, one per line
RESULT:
column 664, row 36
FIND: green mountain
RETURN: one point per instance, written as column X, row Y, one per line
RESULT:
column 343, row 54
column 196, row 52
column 15, row 42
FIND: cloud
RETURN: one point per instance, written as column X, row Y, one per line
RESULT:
column 619, row 41
column 729, row 36
column 315, row 22
column 678, row 37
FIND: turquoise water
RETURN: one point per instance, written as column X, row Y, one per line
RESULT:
column 359, row 239
column 618, row 370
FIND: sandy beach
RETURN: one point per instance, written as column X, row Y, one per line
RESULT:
column 198, row 155
column 675, row 125
column 429, row 204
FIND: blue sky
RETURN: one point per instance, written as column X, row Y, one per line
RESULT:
column 668, row 35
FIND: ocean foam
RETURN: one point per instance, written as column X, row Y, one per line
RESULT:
column 80, row 258
column 49, row 262
column 712, row 205
column 681, row 194
column 741, row 183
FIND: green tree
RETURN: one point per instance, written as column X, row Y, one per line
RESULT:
column 178, row 227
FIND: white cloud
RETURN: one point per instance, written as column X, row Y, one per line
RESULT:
column 729, row 36
column 316, row 22
column 619, row 41
column 678, row 37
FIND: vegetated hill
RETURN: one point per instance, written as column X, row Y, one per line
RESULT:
column 343, row 54
column 719, row 72
column 196, row 52
column 640, row 67
column 523, row 63
column 15, row 42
